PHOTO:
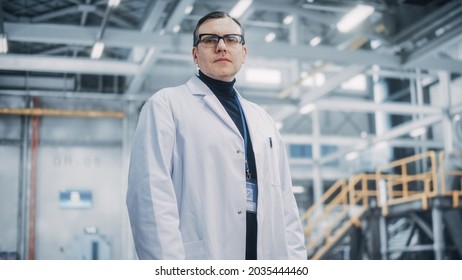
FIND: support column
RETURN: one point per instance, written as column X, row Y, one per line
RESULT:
column 445, row 94
column 438, row 232
column 316, row 149
column 383, row 237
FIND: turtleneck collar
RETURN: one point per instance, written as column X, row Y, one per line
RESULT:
column 219, row 88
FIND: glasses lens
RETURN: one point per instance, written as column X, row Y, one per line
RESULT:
column 209, row 40
column 232, row 40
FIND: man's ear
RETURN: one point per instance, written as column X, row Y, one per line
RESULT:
column 194, row 54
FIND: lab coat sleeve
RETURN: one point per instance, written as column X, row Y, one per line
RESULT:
column 294, row 232
column 151, row 199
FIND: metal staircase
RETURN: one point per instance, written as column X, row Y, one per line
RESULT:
column 397, row 190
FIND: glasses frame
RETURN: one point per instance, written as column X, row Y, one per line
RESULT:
column 199, row 37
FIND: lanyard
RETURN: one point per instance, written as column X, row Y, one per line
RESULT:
column 244, row 128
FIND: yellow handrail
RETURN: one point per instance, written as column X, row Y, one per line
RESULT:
column 344, row 203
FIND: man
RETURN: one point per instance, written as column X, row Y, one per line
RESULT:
column 209, row 177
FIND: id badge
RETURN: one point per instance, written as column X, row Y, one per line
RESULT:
column 251, row 188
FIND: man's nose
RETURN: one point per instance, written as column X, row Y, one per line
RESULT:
column 221, row 46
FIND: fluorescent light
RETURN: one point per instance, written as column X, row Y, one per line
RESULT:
column 418, row 132
column 440, row 31
column 358, row 83
column 3, row 43
column 351, row 156
column 375, row 44
column 113, row 3
column 263, row 76
column 188, row 10
column 240, row 8
column 308, row 108
column 97, row 50
column 315, row 41
column 176, row 28
column 288, row 20
column 270, row 37
column 354, row 17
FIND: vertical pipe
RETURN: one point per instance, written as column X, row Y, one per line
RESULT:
column 127, row 244
column 316, row 148
column 445, row 94
column 23, row 183
column 383, row 237
column 438, row 234
column 33, row 182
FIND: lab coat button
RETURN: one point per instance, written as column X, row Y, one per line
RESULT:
column 239, row 212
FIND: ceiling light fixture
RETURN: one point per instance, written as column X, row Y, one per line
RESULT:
column 354, row 17
column 240, row 8
column 270, row 37
column 113, row 3
column 97, row 50
column 351, row 156
column 176, row 28
column 315, row 41
column 288, row 20
column 307, row 109
column 188, row 10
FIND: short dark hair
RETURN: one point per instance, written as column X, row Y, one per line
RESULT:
column 213, row 15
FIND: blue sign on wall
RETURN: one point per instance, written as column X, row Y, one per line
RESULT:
column 75, row 199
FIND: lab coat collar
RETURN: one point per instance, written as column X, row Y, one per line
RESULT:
column 199, row 88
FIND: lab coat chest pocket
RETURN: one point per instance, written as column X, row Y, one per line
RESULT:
column 272, row 150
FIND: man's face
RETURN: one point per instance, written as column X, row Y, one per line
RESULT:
column 223, row 62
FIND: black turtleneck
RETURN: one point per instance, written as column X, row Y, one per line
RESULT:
column 225, row 93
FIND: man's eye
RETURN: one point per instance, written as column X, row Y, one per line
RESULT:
column 232, row 40
column 209, row 40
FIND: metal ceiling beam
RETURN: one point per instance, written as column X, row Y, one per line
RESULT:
column 137, row 82
column 77, row 95
column 425, row 24
column 63, row 12
column 339, row 141
column 333, row 83
column 76, row 35
column 30, row 82
column 395, row 132
column 398, row 108
column 151, row 55
column 299, row 11
column 154, row 13
column 304, row 52
column 328, row 87
column 67, row 65
column 442, row 42
column 177, row 15
column 114, row 19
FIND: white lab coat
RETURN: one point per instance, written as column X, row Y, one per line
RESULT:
column 186, row 188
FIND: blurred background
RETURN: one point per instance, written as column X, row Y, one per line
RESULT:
column 367, row 96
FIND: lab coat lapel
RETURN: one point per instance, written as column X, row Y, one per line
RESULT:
column 197, row 87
